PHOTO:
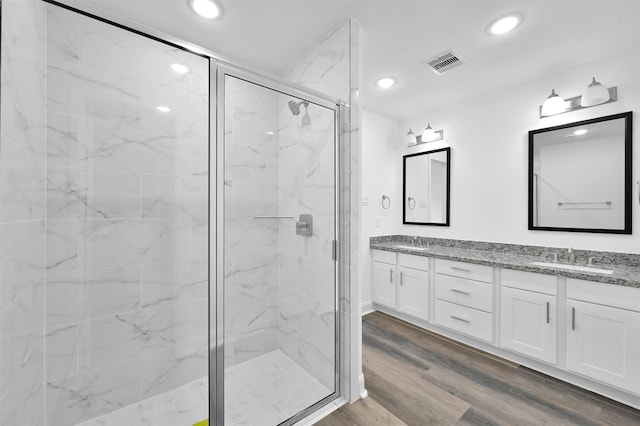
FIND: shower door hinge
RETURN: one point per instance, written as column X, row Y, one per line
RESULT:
column 334, row 250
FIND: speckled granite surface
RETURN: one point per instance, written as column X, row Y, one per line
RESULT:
column 625, row 266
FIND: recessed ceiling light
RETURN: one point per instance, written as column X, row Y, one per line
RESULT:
column 386, row 82
column 163, row 108
column 206, row 8
column 505, row 24
column 179, row 68
column 580, row 132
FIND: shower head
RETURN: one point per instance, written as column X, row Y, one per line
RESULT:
column 306, row 120
column 295, row 106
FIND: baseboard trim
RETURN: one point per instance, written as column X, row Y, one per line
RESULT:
column 363, row 392
column 367, row 307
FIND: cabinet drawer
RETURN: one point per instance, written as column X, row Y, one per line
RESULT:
column 540, row 283
column 414, row 262
column 465, row 270
column 383, row 256
column 465, row 320
column 462, row 291
column 618, row 296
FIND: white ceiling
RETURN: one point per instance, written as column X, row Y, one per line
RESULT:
column 399, row 34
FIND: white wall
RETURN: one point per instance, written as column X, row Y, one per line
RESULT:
column 489, row 159
column 381, row 174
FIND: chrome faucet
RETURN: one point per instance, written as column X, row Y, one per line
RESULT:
column 555, row 256
column 414, row 240
column 572, row 255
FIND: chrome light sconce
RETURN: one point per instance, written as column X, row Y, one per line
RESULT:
column 428, row 135
column 594, row 94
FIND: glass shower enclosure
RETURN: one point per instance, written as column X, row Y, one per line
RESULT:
column 168, row 229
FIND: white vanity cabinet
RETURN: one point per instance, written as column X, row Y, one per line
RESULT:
column 584, row 332
column 528, row 314
column 603, row 333
column 464, row 298
column 413, row 285
column 383, row 278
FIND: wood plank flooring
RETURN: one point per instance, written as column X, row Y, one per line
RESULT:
column 415, row 377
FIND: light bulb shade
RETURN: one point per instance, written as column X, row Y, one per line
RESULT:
column 411, row 139
column 553, row 105
column 595, row 94
column 429, row 134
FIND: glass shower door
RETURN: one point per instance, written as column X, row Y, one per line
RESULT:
column 279, row 272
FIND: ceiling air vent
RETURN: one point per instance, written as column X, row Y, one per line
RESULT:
column 444, row 61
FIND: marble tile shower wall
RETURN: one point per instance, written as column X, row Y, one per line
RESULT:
column 126, row 218
column 251, row 256
column 22, row 212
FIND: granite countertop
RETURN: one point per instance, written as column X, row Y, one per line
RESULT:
column 625, row 267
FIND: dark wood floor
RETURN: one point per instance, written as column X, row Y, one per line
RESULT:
column 415, row 377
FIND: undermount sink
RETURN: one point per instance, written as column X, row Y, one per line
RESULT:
column 411, row 248
column 572, row 267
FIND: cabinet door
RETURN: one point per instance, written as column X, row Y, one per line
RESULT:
column 413, row 292
column 529, row 323
column 604, row 343
column 383, row 285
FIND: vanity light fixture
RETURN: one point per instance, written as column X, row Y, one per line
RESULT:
column 428, row 135
column 411, row 138
column 553, row 105
column 179, row 68
column 208, row 9
column 595, row 94
column 386, row 82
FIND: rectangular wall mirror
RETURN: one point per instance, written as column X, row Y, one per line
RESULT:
column 426, row 188
column 580, row 176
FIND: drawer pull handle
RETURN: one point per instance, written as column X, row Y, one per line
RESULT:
column 401, row 278
column 460, row 319
column 390, row 275
column 460, row 291
column 455, row 268
column 573, row 318
column 548, row 308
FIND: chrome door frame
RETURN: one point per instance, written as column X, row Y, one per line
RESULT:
column 216, row 387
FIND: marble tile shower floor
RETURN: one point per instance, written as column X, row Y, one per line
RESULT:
column 269, row 389
column 266, row 390
column 182, row 406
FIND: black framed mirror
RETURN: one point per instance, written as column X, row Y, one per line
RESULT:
column 580, row 176
column 426, row 187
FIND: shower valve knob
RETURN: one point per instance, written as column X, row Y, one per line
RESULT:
column 304, row 226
